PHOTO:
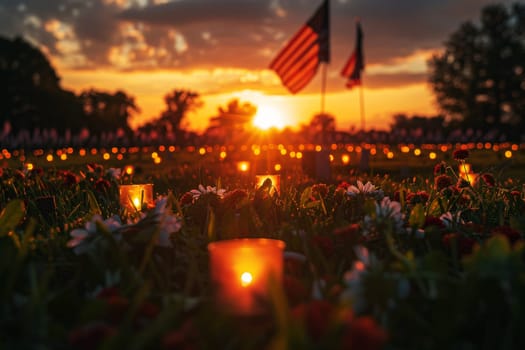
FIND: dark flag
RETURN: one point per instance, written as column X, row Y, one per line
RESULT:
column 298, row 61
column 356, row 64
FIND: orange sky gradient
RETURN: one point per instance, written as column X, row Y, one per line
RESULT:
column 222, row 50
column 380, row 104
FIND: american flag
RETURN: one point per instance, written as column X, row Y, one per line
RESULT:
column 355, row 64
column 298, row 61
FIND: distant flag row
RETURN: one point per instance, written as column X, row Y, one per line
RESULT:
column 297, row 63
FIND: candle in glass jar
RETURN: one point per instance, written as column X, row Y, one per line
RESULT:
column 275, row 182
column 132, row 197
column 242, row 271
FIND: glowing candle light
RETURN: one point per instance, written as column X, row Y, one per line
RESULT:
column 243, row 166
column 466, row 173
column 272, row 180
column 132, row 197
column 242, row 271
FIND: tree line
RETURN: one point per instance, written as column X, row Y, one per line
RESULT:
column 478, row 81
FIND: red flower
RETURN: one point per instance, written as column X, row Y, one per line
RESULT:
column 344, row 185
column 324, row 243
column 511, row 234
column 183, row 338
column 442, row 182
column 465, row 245
column 315, row 317
column 364, row 334
column 460, row 154
column 102, row 185
column 348, row 234
column 515, row 193
column 488, row 179
column 69, row 178
column 233, row 198
column 90, row 336
column 462, row 183
column 440, row 169
column 418, row 197
column 319, row 190
column 186, row 198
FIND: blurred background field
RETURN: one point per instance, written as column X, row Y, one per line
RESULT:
column 333, row 163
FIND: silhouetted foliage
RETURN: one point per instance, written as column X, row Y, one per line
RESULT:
column 320, row 129
column 230, row 122
column 169, row 125
column 178, row 104
column 105, row 111
column 480, row 78
column 30, row 93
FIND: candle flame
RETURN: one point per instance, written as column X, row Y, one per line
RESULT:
column 136, row 203
column 246, row 279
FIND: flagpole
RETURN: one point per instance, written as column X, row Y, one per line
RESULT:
column 362, row 105
column 323, row 86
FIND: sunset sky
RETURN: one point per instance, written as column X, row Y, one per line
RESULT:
column 222, row 49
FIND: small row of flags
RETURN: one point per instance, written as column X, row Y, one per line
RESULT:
column 297, row 63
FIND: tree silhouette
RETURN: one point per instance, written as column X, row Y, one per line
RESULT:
column 30, row 93
column 229, row 124
column 178, row 104
column 320, row 128
column 480, row 78
column 105, row 111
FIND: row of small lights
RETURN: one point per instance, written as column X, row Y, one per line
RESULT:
column 62, row 154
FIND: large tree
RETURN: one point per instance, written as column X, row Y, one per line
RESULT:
column 30, row 92
column 479, row 79
column 178, row 104
column 229, row 125
column 106, row 111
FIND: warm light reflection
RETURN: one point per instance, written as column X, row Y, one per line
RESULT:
column 243, row 166
column 129, row 169
column 242, row 283
column 272, row 181
column 133, row 197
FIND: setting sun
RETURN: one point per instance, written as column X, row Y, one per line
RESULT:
column 269, row 117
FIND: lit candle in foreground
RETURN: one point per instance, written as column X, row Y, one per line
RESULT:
column 242, row 270
column 274, row 179
column 132, row 197
column 466, row 173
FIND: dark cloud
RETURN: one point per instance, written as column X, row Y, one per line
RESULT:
column 186, row 34
column 196, row 13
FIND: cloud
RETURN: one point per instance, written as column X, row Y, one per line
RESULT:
column 237, row 34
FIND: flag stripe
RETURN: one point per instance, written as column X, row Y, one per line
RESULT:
column 305, row 69
column 295, row 66
column 350, row 66
column 297, row 63
column 293, row 48
column 355, row 64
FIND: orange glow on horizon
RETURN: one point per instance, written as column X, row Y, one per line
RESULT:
column 282, row 109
